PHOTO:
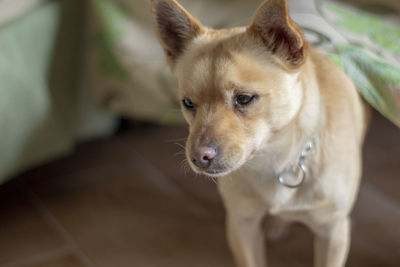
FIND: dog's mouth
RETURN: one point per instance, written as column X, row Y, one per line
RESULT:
column 213, row 171
column 216, row 173
column 218, row 170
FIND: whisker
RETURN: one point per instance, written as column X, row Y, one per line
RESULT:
column 180, row 145
column 179, row 153
column 185, row 166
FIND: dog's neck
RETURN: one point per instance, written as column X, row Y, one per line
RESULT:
column 284, row 148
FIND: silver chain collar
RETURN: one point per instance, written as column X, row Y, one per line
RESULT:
column 299, row 171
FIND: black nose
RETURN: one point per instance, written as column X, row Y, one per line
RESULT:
column 203, row 156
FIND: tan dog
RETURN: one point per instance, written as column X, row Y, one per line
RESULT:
column 263, row 105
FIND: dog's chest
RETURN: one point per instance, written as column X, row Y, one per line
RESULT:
column 284, row 201
column 276, row 197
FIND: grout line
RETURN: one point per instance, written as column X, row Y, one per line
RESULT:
column 50, row 218
column 385, row 198
column 40, row 258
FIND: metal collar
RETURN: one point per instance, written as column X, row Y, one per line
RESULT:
column 299, row 171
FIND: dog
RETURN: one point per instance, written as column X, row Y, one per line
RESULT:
column 278, row 123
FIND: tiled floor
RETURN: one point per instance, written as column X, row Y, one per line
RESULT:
column 127, row 201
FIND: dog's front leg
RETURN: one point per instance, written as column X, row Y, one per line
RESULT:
column 246, row 240
column 332, row 244
column 244, row 225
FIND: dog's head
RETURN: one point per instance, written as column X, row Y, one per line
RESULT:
column 238, row 86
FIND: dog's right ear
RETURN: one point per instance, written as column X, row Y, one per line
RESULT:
column 175, row 27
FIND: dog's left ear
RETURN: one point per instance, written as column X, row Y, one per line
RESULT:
column 279, row 33
column 175, row 27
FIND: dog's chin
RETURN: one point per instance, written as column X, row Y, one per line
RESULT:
column 216, row 172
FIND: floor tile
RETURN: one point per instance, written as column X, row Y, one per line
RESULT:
column 381, row 156
column 118, row 216
column 24, row 232
column 163, row 148
column 376, row 221
column 66, row 261
column 363, row 253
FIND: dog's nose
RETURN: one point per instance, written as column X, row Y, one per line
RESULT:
column 202, row 156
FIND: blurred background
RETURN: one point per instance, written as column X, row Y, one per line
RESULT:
column 91, row 157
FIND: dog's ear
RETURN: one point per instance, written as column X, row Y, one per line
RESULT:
column 279, row 33
column 175, row 27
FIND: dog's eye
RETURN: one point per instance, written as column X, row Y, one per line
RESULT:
column 188, row 103
column 243, row 100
